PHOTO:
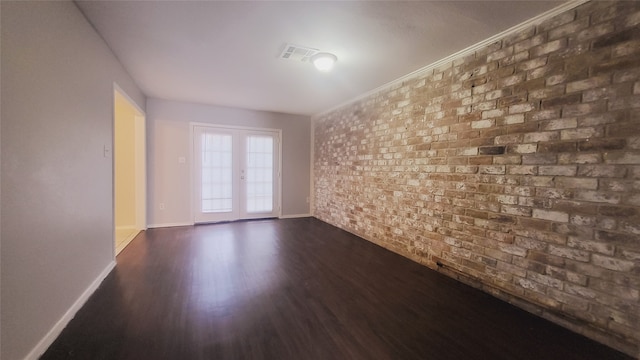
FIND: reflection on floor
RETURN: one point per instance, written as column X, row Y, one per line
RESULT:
column 297, row 289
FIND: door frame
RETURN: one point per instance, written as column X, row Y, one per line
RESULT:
column 192, row 157
column 140, row 134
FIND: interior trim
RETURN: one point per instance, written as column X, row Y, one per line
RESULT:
column 52, row 335
column 462, row 53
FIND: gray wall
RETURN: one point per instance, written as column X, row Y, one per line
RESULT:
column 56, row 208
column 168, row 139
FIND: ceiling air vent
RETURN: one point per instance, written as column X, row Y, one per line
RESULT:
column 297, row 53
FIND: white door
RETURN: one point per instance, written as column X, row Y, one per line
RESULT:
column 236, row 173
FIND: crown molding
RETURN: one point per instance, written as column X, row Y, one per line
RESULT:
column 462, row 53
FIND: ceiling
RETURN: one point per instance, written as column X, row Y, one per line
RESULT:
column 227, row 52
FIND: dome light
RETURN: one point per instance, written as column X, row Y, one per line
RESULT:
column 323, row 61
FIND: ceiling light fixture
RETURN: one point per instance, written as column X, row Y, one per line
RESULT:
column 324, row 61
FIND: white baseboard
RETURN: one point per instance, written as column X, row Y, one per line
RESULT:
column 51, row 336
column 151, row 226
column 294, row 216
column 123, row 244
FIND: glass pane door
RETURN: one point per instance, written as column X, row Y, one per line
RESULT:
column 217, row 173
column 236, row 174
column 259, row 174
column 214, row 171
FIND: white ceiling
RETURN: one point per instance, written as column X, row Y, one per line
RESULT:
column 226, row 52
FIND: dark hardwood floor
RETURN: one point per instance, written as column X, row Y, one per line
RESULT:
column 296, row 289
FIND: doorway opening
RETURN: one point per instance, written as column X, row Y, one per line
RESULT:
column 129, row 170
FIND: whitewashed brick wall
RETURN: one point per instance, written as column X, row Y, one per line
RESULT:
column 515, row 169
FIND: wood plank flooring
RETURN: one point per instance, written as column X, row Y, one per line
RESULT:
column 296, row 289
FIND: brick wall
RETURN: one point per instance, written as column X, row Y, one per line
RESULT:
column 515, row 169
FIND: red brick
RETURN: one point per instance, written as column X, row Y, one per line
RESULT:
column 541, row 136
column 591, row 246
column 550, row 215
column 558, row 20
column 624, row 75
column 548, row 48
column 524, row 107
column 601, row 144
column 602, row 119
column 615, row 64
column 491, row 150
column 577, row 183
column 593, row 32
column 538, row 159
column 516, row 98
column 579, row 158
column 581, row 133
column 519, row 36
column 583, row 109
column 629, row 102
column 617, row 211
column 563, row 170
column 626, row 157
column 552, row 68
column 621, row 129
column 529, row 85
column 597, row 196
column 569, row 99
column 589, row 83
column 612, row 263
column 576, row 207
column 544, row 115
column 628, row 48
column 508, row 139
column 523, row 170
column 507, row 160
column 569, row 28
column 617, row 37
column 547, row 259
column 556, row 147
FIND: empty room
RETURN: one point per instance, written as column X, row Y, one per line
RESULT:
column 320, row 180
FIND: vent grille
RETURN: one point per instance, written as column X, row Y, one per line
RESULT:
column 297, row 53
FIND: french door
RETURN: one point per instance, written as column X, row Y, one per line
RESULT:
column 236, row 173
